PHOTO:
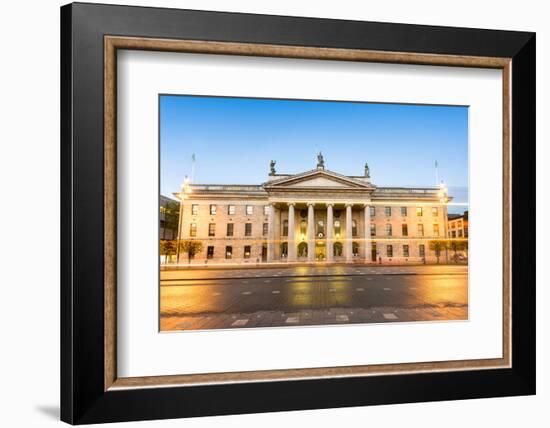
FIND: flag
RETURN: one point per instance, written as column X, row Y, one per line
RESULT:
column 436, row 164
column 193, row 157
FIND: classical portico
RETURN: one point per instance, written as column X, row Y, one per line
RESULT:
column 306, row 204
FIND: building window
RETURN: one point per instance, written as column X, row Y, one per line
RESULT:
column 419, row 212
column 285, row 228
column 420, row 228
column 372, row 229
column 247, row 251
column 389, row 250
column 436, row 229
column 404, row 211
column 337, row 213
column 405, row 229
column 229, row 229
column 320, row 228
column 264, row 229
column 266, row 209
column 284, row 249
column 355, row 249
column 193, row 229
column 231, row 210
column 213, row 209
column 388, row 229
column 229, row 252
column 453, row 234
column 249, row 210
column 194, row 209
column 405, row 251
column 372, row 211
column 460, row 233
column 210, row 252
column 337, row 228
column 248, row 229
column 303, row 228
column 422, row 250
column 387, row 211
column 338, row 249
column 211, row 229
column 435, row 211
column 353, row 228
column 303, row 213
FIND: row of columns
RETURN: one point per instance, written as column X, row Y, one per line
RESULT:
column 348, row 249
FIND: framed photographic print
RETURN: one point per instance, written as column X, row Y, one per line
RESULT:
column 316, row 212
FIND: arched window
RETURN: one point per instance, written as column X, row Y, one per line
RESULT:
column 285, row 228
column 302, row 249
column 338, row 249
column 284, row 249
column 337, row 228
column 303, row 228
column 320, row 229
column 355, row 249
column 353, row 228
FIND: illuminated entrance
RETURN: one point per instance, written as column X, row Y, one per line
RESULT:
column 320, row 251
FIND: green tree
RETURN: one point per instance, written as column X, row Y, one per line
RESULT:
column 191, row 247
column 171, row 211
column 457, row 245
column 437, row 245
column 168, row 248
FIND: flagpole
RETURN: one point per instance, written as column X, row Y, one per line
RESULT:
column 193, row 168
column 436, row 174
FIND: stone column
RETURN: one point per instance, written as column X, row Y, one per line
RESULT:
column 271, row 233
column 291, row 239
column 330, row 233
column 310, row 232
column 367, row 234
column 348, row 240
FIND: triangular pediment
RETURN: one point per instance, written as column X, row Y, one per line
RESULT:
column 317, row 179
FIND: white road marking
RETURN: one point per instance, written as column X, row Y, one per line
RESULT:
column 368, row 279
column 275, row 292
column 360, row 289
column 247, row 292
column 390, row 316
column 267, row 280
column 292, row 320
column 216, row 294
column 387, row 289
column 342, row 318
column 240, row 323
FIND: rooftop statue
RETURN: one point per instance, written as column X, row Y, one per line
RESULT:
column 320, row 161
column 272, row 167
column 367, row 170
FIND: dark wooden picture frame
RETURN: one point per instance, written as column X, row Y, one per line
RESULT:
column 90, row 389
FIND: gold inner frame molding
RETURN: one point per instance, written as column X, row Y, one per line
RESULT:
column 113, row 43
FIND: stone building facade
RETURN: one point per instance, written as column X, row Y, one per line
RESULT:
column 457, row 225
column 314, row 216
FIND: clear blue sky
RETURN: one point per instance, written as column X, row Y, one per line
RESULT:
column 234, row 139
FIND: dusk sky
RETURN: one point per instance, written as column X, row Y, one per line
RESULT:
column 234, row 139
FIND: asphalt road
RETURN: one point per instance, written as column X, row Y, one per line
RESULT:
column 244, row 298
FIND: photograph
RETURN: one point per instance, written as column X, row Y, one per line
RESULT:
column 291, row 212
